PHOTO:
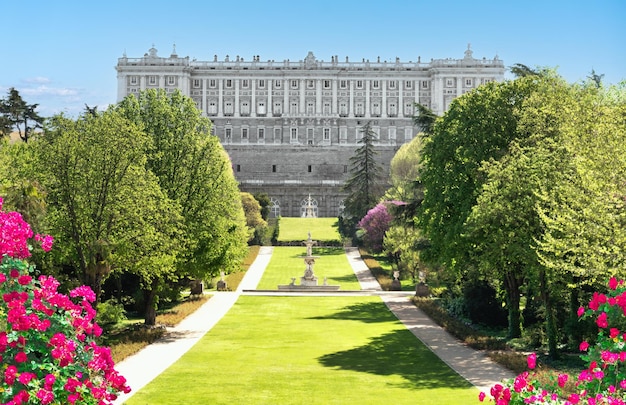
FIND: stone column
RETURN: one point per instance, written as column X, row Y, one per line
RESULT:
column 351, row 106
column 383, row 107
column 318, row 97
column 204, row 98
column 236, row 114
column 367, row 98
column 220, row 97
column 334, row 107
column 302, row 108
column 253, row 98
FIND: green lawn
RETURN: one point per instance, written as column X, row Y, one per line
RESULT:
column 287, row 262
column 322, row 229
column 308, row 350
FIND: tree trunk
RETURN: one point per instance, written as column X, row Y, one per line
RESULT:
column 512, row 285
column 550, row 319
column 149, row 296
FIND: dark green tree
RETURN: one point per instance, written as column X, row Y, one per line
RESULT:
column 424, row 118
column 365, row 185
column 17, row 114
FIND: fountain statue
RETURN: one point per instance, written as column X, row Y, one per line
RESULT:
column 308, row 282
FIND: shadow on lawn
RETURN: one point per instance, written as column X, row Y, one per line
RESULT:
column 397, row 353
column 369, row 312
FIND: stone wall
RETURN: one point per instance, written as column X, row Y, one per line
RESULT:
column 289, row 174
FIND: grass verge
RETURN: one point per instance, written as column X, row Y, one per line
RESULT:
column 323, row 230
column 130, row 339
column 313, row 350
column 287, row 262
column 382, row 270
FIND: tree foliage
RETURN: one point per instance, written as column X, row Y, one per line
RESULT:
column 193, row 170
column 15, row 113
column 365, row 183
column 92, row 168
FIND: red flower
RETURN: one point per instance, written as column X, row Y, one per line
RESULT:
column 613, row 283
column 562, row 379
column 581, row 311
column 583, row 346
column 602, row 320
column 21, row 357
column 532, row 361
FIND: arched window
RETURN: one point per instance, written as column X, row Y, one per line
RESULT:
column 274, row 207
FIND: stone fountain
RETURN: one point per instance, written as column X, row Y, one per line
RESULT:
column 308, row 282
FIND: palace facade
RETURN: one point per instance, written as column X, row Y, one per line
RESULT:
column 291, row 127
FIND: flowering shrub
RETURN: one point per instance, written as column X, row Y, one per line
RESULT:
column 47, row 345
column 376, row 223
column 604, row 379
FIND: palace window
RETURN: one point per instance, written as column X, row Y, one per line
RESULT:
column 327, row 84
column 133, row 80
column 408, row 84
column 375, row 84
column 273, row 168
column 392, row 84
column 238, row 168
column 278, row 84
column 469, row 82
column 408, row 109
column 196, row 83
column 310, row 108
column 277, row 132
column 228, row 133
column 343, row 134
column 326, row 108
column 245, row 83
column 278, row 108
column 424, row 84
column 327, row 134
column 261, row 108
column 152, row 80
column 245, row 108
column 343, row 109
column 212, row 110
column 393, row 109
column 376, row 109
column 261, row 133
column 212, row 83
column 343, row 84
column 171, row 80
column 244, row 133
column 261, row 84
column 449, row 82
column 359, row 109
column 310, row 84
column 294, row 108
column 359, row 84
column 294, row 84
column 229, row 84
column 294, row 134
column 309, row 135
column 228, row 108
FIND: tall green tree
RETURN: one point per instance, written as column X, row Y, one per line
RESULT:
column 19, row 115
column 90, row 167
column 365, row 185
column 424, row 118
column 193, row 170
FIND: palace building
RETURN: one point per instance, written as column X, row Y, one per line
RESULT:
column 291, row 127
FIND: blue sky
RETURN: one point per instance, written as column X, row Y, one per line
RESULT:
column 62, row 54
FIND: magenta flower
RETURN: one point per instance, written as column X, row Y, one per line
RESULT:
column 532, row 361
column 602, row 320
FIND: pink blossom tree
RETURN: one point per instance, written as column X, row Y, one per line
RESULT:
column 375, row 224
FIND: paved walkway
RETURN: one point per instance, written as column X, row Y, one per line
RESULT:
column 472, row 365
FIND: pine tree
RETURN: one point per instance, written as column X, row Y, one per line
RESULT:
column 365, row 183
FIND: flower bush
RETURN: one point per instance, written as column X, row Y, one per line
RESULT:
column 376, row 223
column 47, row 339
column 603, row 381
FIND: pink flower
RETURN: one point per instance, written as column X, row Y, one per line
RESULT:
column 613, row 283
column 481, row 396
column 21, row 357
column 562, row 379
column 614, row 332
column 25, row 377
column 532, row 361
column 24, row 279
column 581, row 311
column 602, row 320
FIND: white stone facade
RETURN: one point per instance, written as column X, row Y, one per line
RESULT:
column 309, row 102
column 290, row 128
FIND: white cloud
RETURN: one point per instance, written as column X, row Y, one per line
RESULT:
column 37, row 80
column 49, row 91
